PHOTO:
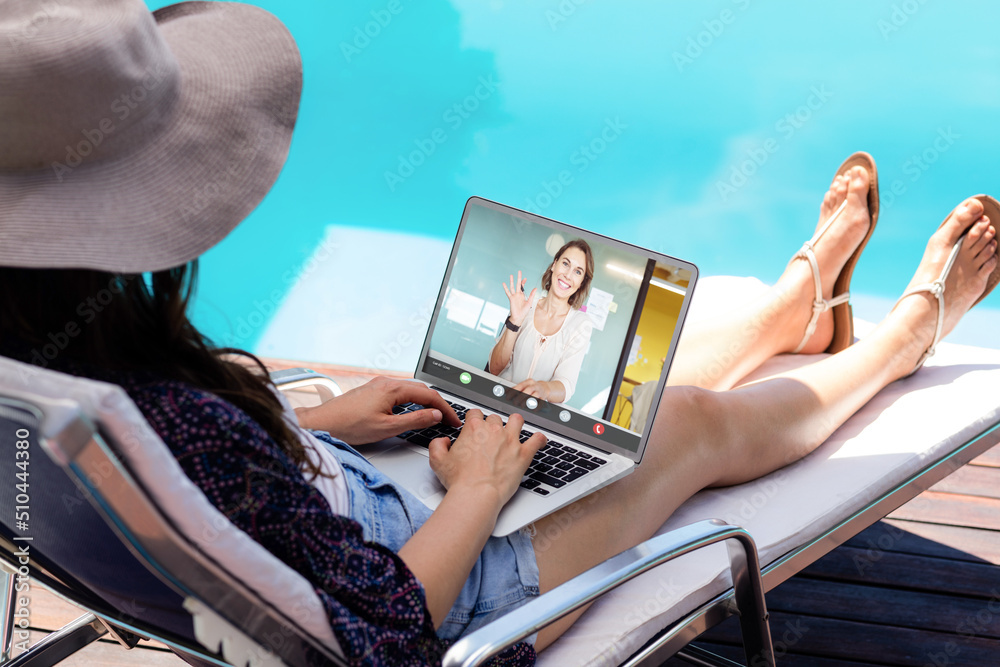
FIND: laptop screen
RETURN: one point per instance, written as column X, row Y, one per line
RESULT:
column 604, row 362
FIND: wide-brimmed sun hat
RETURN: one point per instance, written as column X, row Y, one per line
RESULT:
column 133, row 141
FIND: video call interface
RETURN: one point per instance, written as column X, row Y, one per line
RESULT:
column 609, row 356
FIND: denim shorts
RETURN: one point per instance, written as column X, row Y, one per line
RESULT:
column 504, row 578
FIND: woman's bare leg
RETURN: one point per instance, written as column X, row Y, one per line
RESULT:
column 711, row 438
column 717, row 353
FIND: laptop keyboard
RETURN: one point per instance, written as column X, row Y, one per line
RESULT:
column 555, row 465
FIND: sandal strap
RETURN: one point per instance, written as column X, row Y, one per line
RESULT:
column 820, row 305
column 936, row 288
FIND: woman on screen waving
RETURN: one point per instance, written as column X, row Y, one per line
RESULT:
column 543, row 344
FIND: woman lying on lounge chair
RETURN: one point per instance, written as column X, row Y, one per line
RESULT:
column 135, row 142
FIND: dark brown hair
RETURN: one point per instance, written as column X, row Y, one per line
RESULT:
column 578, row 298
column 133, row 322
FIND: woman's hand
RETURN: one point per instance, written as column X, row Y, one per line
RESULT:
column 487, row 456
column 481, row 471
column 364, row 415
column 519, row 304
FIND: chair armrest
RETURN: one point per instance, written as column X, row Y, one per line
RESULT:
column 479, row 646
column 293, row 378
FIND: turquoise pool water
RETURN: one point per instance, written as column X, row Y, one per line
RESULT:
column 707, row 130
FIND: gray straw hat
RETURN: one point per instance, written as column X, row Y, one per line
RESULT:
column 132, row 141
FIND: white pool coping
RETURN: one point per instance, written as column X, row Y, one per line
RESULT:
column 365, row 298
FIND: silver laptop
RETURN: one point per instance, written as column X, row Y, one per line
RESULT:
column 636, row 305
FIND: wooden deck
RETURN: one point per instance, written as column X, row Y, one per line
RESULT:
column 920, row 588
column 49, row 612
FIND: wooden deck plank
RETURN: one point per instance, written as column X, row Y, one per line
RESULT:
column 788, row 659
column 108, row 653
column 972, row 480
column 957, row 542
column 887, row 568
column 930, row 539
column 50, row 612
column 346, row 376
column 842, row 639
column 881, row 605
column 952, row 509
column 990, row 458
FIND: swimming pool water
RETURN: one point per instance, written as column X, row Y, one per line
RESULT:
column 705, row 130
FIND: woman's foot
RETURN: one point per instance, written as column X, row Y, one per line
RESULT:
column 919, row 310
column 832, row 250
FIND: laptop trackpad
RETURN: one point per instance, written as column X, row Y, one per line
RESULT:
column 410, row 470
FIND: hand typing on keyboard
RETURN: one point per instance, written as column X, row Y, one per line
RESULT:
column 554, row 465
column 366, row 414
column 487, row 455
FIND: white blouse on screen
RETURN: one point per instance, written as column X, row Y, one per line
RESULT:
column 555, row 358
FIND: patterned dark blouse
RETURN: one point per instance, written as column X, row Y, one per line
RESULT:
column 375, row 604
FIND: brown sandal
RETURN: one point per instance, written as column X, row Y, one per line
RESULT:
column 991, row 209
column 843, row 317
